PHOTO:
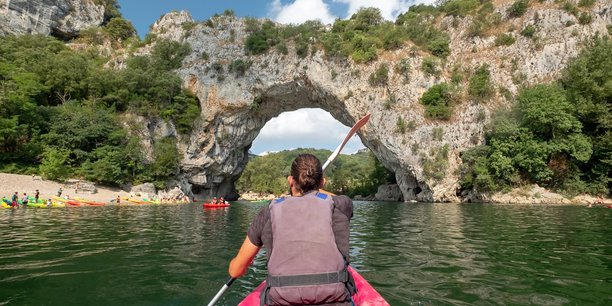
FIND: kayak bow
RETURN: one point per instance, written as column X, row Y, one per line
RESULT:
column 366, row 294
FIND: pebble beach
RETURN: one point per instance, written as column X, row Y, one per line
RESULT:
column 9, row 183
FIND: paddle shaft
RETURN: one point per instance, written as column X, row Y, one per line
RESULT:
column 220, row 293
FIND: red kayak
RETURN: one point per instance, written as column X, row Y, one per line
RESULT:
column 366, row 294
column 211, row 205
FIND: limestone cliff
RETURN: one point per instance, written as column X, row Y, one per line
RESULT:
column 63, row 18
column 235, row 107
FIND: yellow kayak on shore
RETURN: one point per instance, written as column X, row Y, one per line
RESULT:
column 57, row 204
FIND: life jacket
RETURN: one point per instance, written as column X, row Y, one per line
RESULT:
column 305, row 266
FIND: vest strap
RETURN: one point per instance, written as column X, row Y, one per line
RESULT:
column 341, row 276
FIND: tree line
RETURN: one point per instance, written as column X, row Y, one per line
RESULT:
column 62, row 113
column 557, row 135
column 355, row 174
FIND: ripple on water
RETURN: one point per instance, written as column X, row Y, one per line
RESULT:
column 414, row 254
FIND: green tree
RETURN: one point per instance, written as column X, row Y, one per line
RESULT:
column 168, row 54
column 365, row 19
column 166, row 161
column 480, row 86
column 54, row 164
column 107, row 166
column 518, row 8
column 586, row 81
column 120, row 28
column 438, row 101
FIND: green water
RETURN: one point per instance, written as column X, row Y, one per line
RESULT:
column 413, row 254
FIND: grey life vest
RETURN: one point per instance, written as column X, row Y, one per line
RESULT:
column 305, row 265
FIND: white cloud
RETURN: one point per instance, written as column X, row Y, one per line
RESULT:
column 389, row 9
column 300, row 11
column 304, row 128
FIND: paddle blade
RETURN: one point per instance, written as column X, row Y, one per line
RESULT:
column 361, row 122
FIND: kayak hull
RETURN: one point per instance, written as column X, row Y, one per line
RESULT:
column 90, row 203
column 74, row 203
column 366, row 294
column 37, row 205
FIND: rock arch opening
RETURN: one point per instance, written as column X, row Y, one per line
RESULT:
column 303, row 128
column 218, row 151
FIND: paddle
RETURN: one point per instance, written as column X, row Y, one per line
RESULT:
column 331, row 158
column 220, row 293
column 350, row 134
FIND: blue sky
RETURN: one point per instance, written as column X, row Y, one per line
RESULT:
column 305, row 128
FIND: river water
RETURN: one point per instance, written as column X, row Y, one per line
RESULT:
column 413, row 254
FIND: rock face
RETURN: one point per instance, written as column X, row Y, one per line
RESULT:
column 390, row 192
column 62, row 18
column 236, row 107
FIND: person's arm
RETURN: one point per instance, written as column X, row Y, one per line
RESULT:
column 243, row 259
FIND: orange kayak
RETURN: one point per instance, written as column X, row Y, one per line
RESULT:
column 90, row 203
column 75, row 203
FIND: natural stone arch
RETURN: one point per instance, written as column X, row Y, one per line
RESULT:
column 215, row 153
column 236, row 107
column 213, row 163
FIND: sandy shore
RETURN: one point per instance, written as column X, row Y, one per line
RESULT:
column 9, row 183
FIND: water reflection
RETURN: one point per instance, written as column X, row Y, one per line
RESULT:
column 414, row 254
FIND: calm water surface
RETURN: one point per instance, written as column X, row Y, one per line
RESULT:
column 413, row 254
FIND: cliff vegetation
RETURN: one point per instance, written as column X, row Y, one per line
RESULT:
column 62, row 113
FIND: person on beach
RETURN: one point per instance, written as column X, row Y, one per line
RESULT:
column 59, row 192
column 49, row 203
column 308, row 262
column 118, row 200
column 15, row 199
column 36, row 195
column 24, row 200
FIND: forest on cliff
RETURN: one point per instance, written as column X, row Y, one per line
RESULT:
column 64, row 112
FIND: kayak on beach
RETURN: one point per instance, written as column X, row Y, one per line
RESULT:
column 366, row 294
column 74, row 203
column 89, row 202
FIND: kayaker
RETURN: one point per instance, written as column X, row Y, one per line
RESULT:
column 311, row 242
column 221, row 201
column 14, row 199
column 49, row 203
column 24, row 200
column 214, row 200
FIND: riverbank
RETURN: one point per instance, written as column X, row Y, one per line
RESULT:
column 534, row 194
column 11, row 183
